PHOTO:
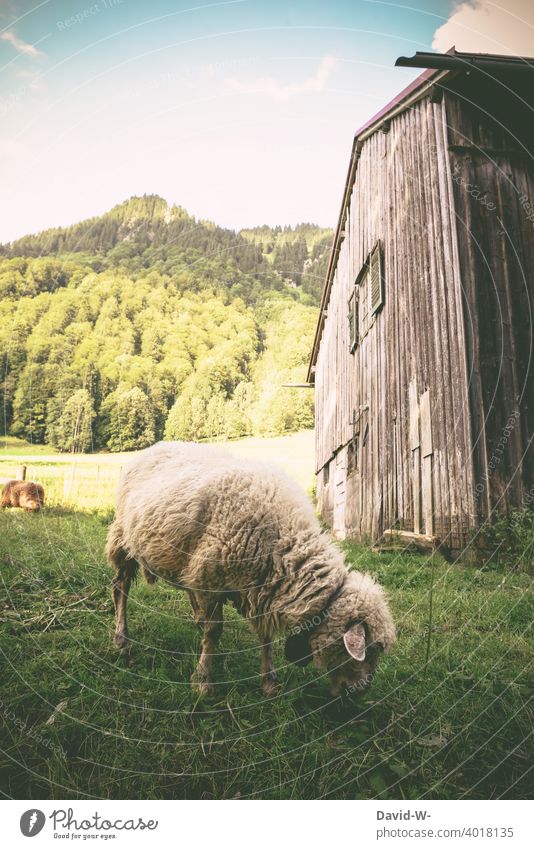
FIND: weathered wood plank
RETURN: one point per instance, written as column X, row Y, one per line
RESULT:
column 438, row 297
column 425, row 417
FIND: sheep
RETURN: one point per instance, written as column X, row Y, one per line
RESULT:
column 224, row 529
column 24, row 494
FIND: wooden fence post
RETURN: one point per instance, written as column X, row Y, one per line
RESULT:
column 68, row 482
column 21, row 475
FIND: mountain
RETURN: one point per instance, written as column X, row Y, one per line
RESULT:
column 145, row 232
column 146, row 322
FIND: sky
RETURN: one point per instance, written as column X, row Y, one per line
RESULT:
column 241, row 111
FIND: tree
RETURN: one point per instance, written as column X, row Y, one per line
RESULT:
column 169, row 325
column 73, row 431
column 238, row 410
column 30, row 405
column 128, row 420
column 187, row 419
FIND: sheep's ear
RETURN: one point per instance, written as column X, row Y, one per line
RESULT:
column 354, row 640
column 297, row 649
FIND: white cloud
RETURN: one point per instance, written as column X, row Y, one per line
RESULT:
column 269, row 87
column 486, row 27
column 19, row 44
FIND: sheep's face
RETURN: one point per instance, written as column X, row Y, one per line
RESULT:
column 352, row 677
column 350, row 660
column 30, row 504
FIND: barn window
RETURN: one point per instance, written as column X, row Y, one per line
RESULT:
column 369, row 289
column 352, row 454
column 354, row 325
column 326, row 474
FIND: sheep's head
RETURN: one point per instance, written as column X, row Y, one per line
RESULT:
column 356, row 629
column 31, row 503
column 31, row 497
column 351, row 661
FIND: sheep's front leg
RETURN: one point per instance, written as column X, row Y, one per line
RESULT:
column 209, row 618
column 125, row 571
column 196, row 609
column 121, row 587
column 269, row 684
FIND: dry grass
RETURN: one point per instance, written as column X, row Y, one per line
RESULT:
column 88, row 481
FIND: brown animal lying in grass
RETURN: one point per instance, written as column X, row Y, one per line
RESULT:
column 238, row 531
column 24, row 494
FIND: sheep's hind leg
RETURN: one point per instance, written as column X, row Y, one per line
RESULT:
column 125, row 570
column 212, row 626
column 269, row 684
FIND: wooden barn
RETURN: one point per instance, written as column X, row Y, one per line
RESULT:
column 423, row 356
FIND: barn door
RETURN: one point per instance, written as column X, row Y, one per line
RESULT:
column 339, row 527
column 420, row 439
column 394, row 480
column 415, row 455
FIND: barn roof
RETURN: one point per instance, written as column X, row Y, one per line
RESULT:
column 440, row 68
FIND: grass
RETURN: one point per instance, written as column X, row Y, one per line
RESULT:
column 90, row 480
column 78, row 720
column 12, row 445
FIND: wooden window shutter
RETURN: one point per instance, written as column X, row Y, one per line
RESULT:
column 376, row 282
column 364, row 290
column 354, row 336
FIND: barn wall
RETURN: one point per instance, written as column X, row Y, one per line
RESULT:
column 493, row 180
column 413, row 464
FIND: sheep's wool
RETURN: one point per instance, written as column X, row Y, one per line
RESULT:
column 194, row 515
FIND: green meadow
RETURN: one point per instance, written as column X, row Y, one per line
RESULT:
column 449, row 714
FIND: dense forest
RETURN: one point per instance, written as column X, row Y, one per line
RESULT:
column 146, row 323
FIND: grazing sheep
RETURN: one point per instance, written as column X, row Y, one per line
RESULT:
column 24, row 494
column 233, row 530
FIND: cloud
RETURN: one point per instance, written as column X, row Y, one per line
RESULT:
column 487, row 27
column 19, row 44
column 269, row 87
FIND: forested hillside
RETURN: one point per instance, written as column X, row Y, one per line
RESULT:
column 298, row 254
column 146, row 323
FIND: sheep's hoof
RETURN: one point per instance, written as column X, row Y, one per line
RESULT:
column 271, row 688
column 200, row 683
column 203, row 688
column 120, row 641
